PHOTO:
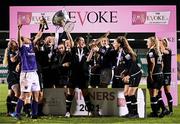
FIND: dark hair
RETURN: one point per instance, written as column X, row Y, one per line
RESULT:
column 121, row 40
column 125, row 45
column 10, row 43
column 61, row 43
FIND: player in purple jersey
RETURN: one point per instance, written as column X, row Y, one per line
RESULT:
column 29, row 80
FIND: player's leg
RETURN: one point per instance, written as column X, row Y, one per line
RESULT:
column 34, row 80
column 8, row 101
column 15, row 88
column 127, row 98
column 69, row 98
column 87, row 100
column 133, row 99
column 167, row 83
column 133, row 85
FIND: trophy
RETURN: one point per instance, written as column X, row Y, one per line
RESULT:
column 61, row 19
column 43, row 24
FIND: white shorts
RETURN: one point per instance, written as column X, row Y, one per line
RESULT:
column 29, row 81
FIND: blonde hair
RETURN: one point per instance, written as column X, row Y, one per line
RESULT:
column 155, row 45
column 165, row 42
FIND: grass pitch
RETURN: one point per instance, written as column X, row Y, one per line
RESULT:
column 175, row 118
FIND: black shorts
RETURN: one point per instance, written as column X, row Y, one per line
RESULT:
column 167, row 80
column 12, row 79
column 78, row 82
column 156, row 83
column 47, row 80
column 94, row 80
column 135, row 80
column 62, row 81
column 117, row 82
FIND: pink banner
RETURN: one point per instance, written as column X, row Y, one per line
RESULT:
column 100, row 19
column 24, row 18
column 138, row 17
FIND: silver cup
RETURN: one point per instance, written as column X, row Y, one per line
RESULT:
column 61, row 19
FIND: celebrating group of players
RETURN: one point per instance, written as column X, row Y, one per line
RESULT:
column 37, row 63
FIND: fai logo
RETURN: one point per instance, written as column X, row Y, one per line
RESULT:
column 138, row 17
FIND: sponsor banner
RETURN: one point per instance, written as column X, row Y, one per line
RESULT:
column 37, row 16
column 108, row 101
column 178, row 65
column 3, row 71
column 24, row 18
column 157, row 17
column 171, row 36
column 138, row 17
column 99, row 19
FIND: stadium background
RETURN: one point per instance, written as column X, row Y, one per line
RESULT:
column 138, row 43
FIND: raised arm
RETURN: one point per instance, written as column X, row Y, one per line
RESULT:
column 5, row 60
column 41, row 29
column 19, row 35
column 38, row 36
column 70, row 38
column 89, row 56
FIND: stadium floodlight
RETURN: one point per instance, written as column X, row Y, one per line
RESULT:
column 112, row 39
column 131, row 39
column 145, row 39
column 8, row 39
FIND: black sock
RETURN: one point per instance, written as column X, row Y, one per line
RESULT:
column 27, row 108
column 69, row 99
column 160, row 101
column 8, row 104
column 40, row 109
column 134, row 104
column 158, row 98
column 128, row 103
column 14, row 102
column 170, row 101
column 154, row 104
column 88, row 102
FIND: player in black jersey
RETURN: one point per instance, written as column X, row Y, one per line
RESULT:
column 131, row 75
column 61, row 64
column 167, row 53
column 118, row 65
column 12, row 60
column 93, row 59
column 79, row 75
column 105, row 60
column 155, row 75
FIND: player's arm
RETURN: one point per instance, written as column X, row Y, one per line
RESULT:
column 14, row 58
column 152, row 65
column 89, row 56
column 19, row 35
column 70, row 38
column 5, row 60
column 40, row 32
column 37, row 37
